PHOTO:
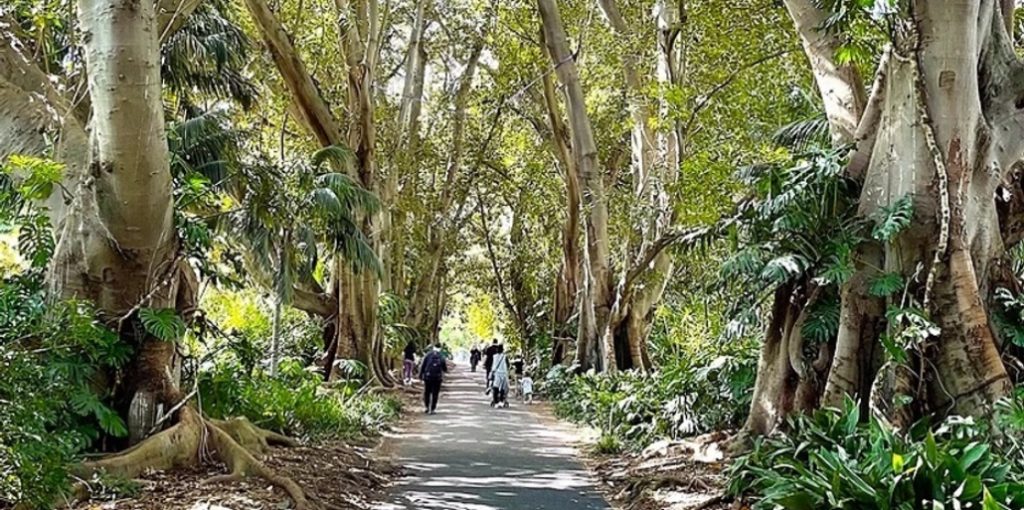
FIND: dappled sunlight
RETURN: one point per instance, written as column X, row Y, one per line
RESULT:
column 472, row 457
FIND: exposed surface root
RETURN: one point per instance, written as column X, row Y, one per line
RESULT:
column 679, row 474
column 236, row 443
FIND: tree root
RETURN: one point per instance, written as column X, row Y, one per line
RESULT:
column 236, row 443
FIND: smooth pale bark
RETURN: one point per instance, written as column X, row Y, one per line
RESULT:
column 568, row 280
column 841, row 91
column 35, row 120
column 409, row 137
column 949, row 134
column 117, row 245
column 312, row 110
column 643, row 137
column 359, row 290
column 596, row 297
column 840, row 85
column 172, row 15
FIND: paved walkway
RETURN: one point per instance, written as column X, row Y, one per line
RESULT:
column 471, row 457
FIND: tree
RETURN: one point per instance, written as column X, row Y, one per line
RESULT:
column 937, row 144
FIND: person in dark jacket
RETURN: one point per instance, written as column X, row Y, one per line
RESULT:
column 432, row 372
column 489, row 359
column 474, row 358
column 409, row 362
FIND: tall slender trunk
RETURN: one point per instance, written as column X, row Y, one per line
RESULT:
column 423, row 312
column 408, row 120
column 596, row 296
column 568, row 279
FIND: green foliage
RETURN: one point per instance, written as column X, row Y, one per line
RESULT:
column 608, row 444
column 893, row 219
column 37, row 176
column 1008, row 315
column 163, row 323
column 294, row 403
column 691, row 395
column 886, row 285
column 832, row 459
column 53, row 354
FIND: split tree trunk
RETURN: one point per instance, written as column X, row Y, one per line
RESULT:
column 947, row 132
column 595, row 304
column 568, row 279
column 841, row 89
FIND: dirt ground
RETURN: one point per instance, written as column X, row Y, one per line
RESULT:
column 676, row 475
column 340, row 474
column 337, row 474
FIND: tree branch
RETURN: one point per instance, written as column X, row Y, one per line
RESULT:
column 318, row 303
column 668, row 239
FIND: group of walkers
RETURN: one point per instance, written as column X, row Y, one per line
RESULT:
column 501, row 374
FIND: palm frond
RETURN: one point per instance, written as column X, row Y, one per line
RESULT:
column 207, row 56
column 334, row 155
column 801, row 134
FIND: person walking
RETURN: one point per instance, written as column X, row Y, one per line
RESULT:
column 432, row 372
column 527, row 388
column 489, row 359
column 474, row 358
column 499, row 376
column 408, row 362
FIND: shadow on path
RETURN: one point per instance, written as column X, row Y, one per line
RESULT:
column 471, row 457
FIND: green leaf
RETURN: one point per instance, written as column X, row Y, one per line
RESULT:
column 110, row 422
column 885, row 285
column 898, row 463
column 989, row 503
column 163, row 323
column 893, row 219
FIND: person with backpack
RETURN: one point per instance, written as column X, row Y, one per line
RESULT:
column 432, row 372
column 489, row 360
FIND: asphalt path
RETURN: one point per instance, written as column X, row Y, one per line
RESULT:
column 469, row 456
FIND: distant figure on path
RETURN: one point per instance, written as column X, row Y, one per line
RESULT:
column 489, row 359
column 474, row 358
column 432, row 373
column 409, row 362
column 499, row 376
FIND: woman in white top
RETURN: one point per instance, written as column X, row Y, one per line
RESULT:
column 499, row 378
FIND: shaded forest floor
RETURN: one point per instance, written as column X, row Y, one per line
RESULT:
column 678, row 475
column 351, row 475
column 344, row 475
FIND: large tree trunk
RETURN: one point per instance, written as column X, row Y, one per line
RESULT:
column 358, row 297
column 595, row 305
column 947, row 133
column 117, row 245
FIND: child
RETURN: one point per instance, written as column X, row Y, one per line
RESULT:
column 527, row 384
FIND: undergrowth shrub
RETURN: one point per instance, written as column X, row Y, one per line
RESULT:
column 294, row 402
column 833, row 459
column 690, row 396
column 50, row 411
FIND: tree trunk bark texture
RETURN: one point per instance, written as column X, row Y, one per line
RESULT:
column 117, row 245
column 948, row 133
column 596, row 296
